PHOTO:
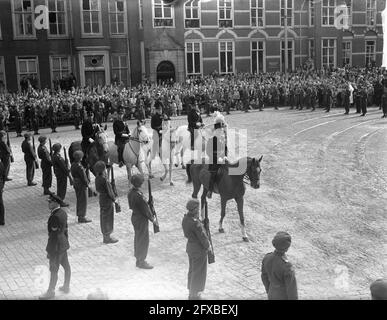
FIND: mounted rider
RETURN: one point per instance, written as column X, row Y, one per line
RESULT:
column 88, row 131
column 195, row 122
column 157, row 122
column 122, row 134
column 217, row 149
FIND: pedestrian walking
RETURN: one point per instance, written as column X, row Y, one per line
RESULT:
column 277, row 272
column 29, row 158
column 197, row 248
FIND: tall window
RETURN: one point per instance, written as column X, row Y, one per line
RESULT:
column 193, row 53
column 91, row 14
column 120, row 69
column 288, row 13
column 328, row 12
column 349, row 7
column 347, row 53
column 328, row 53
column 311, row 13
column 23, row 16
column 257, row 57
column 60, row 68
column 27, row 68
column 257, row 13
column 371, row 13
column 226, row 53
column 163, row 14
column 370, row 55
column 117, row 13
column 192, row 19
column 140, row 8
column 312, row 52
column 225, row 13
column 2, row 75
column 57, row 17
column 290, row 56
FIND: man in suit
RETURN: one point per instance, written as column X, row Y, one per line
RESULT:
column 277, row 272
column 61, row 172
column 57, row 246
column 5, row 154
column 45, row 164
column 29, row 158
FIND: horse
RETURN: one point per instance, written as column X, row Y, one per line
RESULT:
column 228, row 186
column 98, row 150
column 135, row 150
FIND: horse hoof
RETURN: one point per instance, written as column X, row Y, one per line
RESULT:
column 221, row 230
column 245, row 239
column 171, row 184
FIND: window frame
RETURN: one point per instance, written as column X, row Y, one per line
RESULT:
column 18, row 58
column 120, row 68
column 199, row 18
column 110, row 13
column 257, row 50
column 200, row 57
column 55, row 36
column 60, row 70
column 22, row 37
column 256, row 13
column 292, row 17
column 231, row 14
column 293, row 62
column 328, row 16
column 91, row 35
column 163, row 5
column 365, row 50
column 310, row 47
column 233, row 57
column 346, row 50
column 2, row 71
column 141, row 14
column 334, row 53
column 373, row 11
column 312, row 9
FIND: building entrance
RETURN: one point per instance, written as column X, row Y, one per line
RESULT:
column 166, row 72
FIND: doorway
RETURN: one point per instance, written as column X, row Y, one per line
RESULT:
column 166, row 72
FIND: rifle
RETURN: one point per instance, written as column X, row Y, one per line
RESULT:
column 206, row 222
column 113, row 183
column 9, row 146
column 68, row 166
column 49, row 140
column 156, row 227
column 33, row 145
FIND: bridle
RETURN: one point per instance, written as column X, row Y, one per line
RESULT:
column 246, row 177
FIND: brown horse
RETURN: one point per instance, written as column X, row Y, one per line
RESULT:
column 229, row 184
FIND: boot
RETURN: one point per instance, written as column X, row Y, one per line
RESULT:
column 48, row 295
column 108, row 240
column 65, row 289
column 143, row 265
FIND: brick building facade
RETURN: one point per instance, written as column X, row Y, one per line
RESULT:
column 105, row 41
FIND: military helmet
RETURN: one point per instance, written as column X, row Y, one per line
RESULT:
column 56, row 147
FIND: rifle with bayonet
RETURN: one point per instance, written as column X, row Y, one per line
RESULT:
column 113, row 183
column 33, row 146
column 156, row 227
column 10, row 150
column 206, row 222
column 68, row 166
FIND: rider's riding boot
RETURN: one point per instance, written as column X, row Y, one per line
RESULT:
column 120, row 158
column 211, row 186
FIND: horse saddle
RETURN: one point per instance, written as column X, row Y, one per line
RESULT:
column 219, row 174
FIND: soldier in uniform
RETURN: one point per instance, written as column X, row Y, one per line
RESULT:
column 2, row 182
column 88, row 133
column 34, row 117
column 57, row 246
column 378, row 289
column 122, row 134
column 277, row 272
column 52, row 115
column 194, row 122
column 106, row 200
column 46, row 164
column 197, row 247
column 157, row 125
column 61, row 172
column 141, row 215
column 384, row 98
column 81, row 182
column 346, row 95
column 363, row 101
column 76, row 111
column 29, row 158
column 18, row 121
column 5, row 154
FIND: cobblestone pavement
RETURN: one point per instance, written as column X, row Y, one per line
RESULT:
column 324, row 181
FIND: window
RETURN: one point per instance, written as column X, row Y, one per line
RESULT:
column 117, row 16
column 57, row 17
column 193, row 53
column 2, row 75
column 23, row 16
column 328, row 53
column 290, row 56
column 192, row 14
column 60, row 68
column 91, row 15
column 257, row 57
column 120, row 69
column 140, row 7
column 311, row 13
column 347, row 53
column 27, row 68
column 257, row 13
column 312, row 51
column 225, row 13
column 371, row 13
column 328, row 12
column 226, row 54
column 289, row 12
column 370, row 55
column 163, row 14
column 348, row 3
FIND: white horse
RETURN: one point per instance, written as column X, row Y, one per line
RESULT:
column 135, row 150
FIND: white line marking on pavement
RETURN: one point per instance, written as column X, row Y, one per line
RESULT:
column 349, row 128
column 316, row 118
column 317, row 125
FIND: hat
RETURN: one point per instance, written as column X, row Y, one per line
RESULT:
column 42, row 139
column 2, row 133
column 137, row 180
column 282, row 241
column 78, row 155
column 99, row 167
column 192, row 204
column 27, row 135
column 55, row 198
column 219, row 118
column 56, row 147
column 379, row 289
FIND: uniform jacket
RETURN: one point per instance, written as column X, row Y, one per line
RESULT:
column 29, row 153
column 57, row 232
column 104, row 188
column 60, row 168
column 193, row 118
column 87, row 130
column 44, row 156
column 120, row 128
column 197, row 238
column 2, row 176
column 157, row 122
column 79, row 175
column 5, row 151
column 139, row 205
column 278, row 277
